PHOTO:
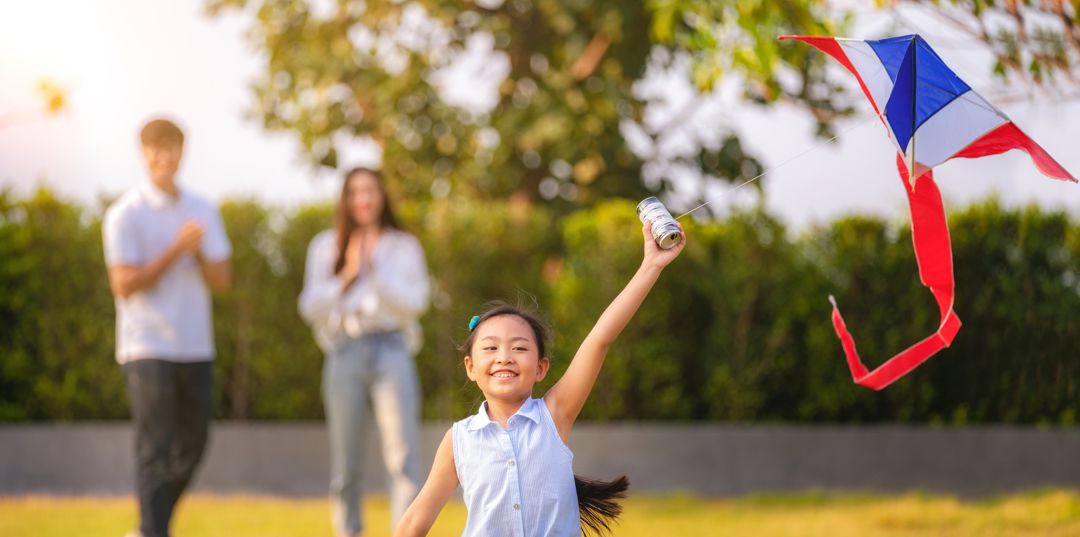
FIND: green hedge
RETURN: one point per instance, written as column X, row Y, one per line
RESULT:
column 737, row 329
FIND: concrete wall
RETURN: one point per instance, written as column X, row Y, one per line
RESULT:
column 708, row 459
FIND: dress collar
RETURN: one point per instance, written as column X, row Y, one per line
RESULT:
column 529, row 409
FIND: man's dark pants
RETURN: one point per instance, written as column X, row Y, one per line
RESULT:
column 171, row 406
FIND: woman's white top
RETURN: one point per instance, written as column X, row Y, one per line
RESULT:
column 390, row 296
column 518, row 481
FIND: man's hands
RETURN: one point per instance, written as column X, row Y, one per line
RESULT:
column 190, row 237
column 126, row 280
column 217, row 274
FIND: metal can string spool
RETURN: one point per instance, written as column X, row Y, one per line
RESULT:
column 665, row 230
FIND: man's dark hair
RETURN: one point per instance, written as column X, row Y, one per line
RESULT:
column 159, row 132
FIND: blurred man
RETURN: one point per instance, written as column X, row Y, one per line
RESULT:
column 166, row 249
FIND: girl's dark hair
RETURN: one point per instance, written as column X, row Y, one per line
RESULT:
column 597, row 500
column 498, row 308
column 345, row 224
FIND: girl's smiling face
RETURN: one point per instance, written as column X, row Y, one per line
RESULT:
column 504, row 360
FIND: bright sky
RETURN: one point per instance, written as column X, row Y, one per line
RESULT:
column 125, row 61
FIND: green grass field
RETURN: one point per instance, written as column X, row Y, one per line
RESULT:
column 1048, row 513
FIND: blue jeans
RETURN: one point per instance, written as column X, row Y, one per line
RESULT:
column 372, row 376
column 171, row 405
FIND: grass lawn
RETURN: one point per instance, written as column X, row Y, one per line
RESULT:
column 1047, row 513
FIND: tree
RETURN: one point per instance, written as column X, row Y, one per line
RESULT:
column 560, row 74
column 548, row 86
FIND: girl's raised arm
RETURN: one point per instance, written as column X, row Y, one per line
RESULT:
column 568, row 395
column 441, row 483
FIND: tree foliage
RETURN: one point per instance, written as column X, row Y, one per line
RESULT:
column 1034, row 42
column 739, row 39
column 561, row 77
column 56, row 312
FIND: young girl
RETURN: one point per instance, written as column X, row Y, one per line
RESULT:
column 511, row 458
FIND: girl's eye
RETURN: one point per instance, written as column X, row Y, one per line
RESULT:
column 521, row 349
column 489, row 348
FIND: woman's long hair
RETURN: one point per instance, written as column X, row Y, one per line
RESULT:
column 345, row 224
column 598, row 501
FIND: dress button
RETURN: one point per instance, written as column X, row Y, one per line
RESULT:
column 510, row 462
column 517, row 507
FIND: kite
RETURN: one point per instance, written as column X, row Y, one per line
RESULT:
column 931, row 116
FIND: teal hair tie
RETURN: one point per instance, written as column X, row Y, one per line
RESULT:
column 472, row 322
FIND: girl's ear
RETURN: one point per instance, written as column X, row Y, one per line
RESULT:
column 469, row 368
column 542, row 367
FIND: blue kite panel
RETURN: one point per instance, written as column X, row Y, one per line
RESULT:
column 891, row 52
column 937, row 85
column 900, row 109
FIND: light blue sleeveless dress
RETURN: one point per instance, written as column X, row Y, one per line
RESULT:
column 518, row 481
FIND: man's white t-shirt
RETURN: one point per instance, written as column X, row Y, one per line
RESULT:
column 171, row 320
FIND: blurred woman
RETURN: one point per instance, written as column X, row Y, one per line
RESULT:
column 365, row 286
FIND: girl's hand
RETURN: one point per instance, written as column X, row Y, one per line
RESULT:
column 568, row 395
column 657, row 256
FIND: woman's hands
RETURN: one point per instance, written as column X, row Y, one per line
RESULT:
column 359, row 255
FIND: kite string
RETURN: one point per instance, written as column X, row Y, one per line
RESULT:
column 788, row 161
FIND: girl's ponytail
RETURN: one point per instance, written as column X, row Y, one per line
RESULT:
column 598, row 502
